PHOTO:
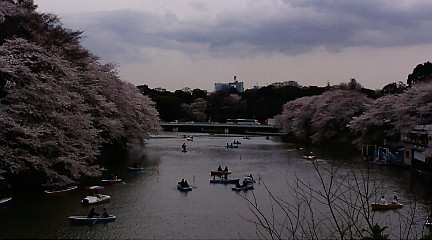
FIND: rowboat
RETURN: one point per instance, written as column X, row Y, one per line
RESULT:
column 428, row 223
column 309, row 157
column 5, row 201
column 225, row 181
column 96, row 199
column 184, row 188
column 377, row 206
column 62, row 191
column 232, row 146
column 95, row 188
column 249, row 180
column 219, row 173
column 110, row 181
column 135, row 169
column 243, row 188
column 94, row 220
column 184, row 150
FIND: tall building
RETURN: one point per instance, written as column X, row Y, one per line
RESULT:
column 220, row 87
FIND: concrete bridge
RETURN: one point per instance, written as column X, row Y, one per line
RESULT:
column 221, row 128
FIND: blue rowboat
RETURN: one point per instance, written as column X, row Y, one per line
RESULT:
column 94, row 220
column 5, row 201
column 135, row 169
column 225, row 181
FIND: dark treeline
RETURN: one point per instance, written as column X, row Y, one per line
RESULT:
column 258, row 103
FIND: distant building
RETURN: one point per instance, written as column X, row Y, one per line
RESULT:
column 220, row 87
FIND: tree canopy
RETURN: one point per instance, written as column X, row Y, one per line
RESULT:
column 59, row 106
column 389, row 116
column 324, row 117
column 421, row 73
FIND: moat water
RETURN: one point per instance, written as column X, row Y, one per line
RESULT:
column 148, row 204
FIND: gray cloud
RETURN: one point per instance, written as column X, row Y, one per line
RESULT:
column 298, row 27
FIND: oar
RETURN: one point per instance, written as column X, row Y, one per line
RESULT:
column 192, row 186
column 96, row 219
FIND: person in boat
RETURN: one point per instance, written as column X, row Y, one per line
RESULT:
column 185, row 184
column 220, row 169
column 430, row 218
column 182, row 182
column 227, row 145
column 244, row 183
column 114, row 177
column 92, row 213
column 231, row 145
column 184, row 146
column 238, row 185
column 395, row 200
column 250, row 176
column 383, row 201
column 105, row 213
column 137, row 165
column 226, row 169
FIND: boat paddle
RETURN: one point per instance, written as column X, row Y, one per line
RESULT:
column 96, row 219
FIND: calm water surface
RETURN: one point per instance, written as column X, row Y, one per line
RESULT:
column 148, row 205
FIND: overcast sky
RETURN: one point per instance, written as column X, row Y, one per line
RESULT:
column 195, row 43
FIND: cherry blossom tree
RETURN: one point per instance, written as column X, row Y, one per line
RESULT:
column 324, row 117
column 389, row 116
column 59, row 107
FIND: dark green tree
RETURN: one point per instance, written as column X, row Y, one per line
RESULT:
column 169, row 107
column 393, row 88
column 421, row 73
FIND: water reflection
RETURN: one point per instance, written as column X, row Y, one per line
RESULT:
column 148, row 204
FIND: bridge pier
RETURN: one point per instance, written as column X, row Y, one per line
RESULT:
column 175, row 129
column 226, row 130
